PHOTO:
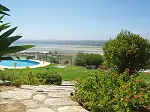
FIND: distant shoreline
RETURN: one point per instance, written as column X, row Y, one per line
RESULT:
column 67, row 48
column 63, row 42
column 64, row 46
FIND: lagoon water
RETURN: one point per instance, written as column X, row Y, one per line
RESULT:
column 45, row 47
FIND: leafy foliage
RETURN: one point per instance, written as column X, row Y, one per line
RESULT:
column 6, row 40
column 83, row 59
column 79, row 59
column 3, row 9
column 127, row 50
column 51, row 77
column 92, row 59
column 54, row 60
column 18, row 77
column 105, row 91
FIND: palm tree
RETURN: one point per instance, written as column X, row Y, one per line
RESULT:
column 5, row 39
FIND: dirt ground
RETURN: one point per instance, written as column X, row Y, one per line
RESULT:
column 12, row 106
column 4, row 88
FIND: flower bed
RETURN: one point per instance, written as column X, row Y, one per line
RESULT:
column 111, row 92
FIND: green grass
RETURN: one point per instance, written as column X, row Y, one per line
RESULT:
column 68, row 73
column 72, row 72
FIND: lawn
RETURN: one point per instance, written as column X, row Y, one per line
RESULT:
column 70, row 72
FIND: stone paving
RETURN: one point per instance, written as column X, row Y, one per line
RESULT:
column 43, row 98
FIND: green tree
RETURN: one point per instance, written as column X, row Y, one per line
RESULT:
column 83, row 59
column 5, row 39
column 127, row 50
column 79, row 59
column 92, row 59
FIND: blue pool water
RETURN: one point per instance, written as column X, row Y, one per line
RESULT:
column 20, row 63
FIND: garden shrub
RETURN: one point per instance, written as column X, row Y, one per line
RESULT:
column 127, row 50
column 54, row 60
column 79, row 59
column 50, row 77
column 92, row 59
column 53, row 79
column 26, row 80
column 10, row 76
column 18, row 78
column 109, row 92
column 66, row 62
column 84, row 59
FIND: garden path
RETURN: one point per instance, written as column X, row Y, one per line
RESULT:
column 42, row 98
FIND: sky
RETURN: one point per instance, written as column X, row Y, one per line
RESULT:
column 78, row 19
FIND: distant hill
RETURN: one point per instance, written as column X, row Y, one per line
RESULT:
column 66, row 42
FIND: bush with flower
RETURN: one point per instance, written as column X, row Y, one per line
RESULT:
column 127, row 50
column 109, row 92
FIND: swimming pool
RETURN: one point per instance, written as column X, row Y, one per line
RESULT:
column 19, row 63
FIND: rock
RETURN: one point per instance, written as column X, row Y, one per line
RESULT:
column 6, row 94
column 12, row 107
column 59, row 102
column 39, row 97
column 22, row 94
column 4, row 101
column 30, row 104
column 40, row 110
column 59, row 94
column 71, row 109
column 67, row 83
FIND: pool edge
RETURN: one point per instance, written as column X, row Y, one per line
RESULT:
column 41, row 64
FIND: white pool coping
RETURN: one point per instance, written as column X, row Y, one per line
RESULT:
column 41, row 64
